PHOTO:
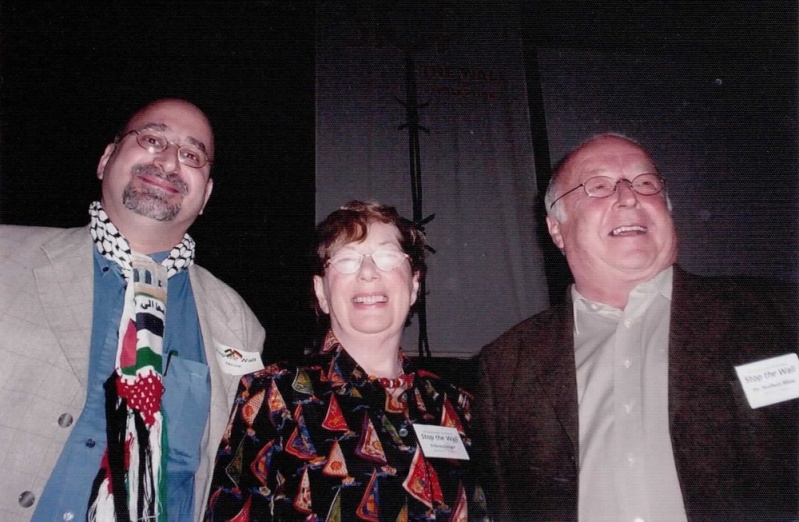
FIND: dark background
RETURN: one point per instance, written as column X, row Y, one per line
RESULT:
column 73, row 72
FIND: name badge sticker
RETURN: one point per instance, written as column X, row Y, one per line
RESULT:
column 237, row 362
column 771, row 380
column 440, row 442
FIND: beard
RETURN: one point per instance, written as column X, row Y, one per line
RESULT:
column 149, row 201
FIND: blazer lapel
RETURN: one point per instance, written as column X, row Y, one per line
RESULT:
column 683, row 359
column 66, row 290
column 216, row 329
column 557, row 370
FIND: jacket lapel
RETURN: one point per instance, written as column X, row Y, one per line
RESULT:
column 557, row 369
column 686, row 318
column 216, row 329
column 65, row 288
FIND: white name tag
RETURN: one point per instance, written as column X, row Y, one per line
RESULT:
column 440, row 442
column 237, row 362
column 771, row 380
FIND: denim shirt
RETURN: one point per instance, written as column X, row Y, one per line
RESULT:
column 185, row 403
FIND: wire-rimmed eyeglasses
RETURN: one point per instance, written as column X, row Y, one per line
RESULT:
column 647, row 184
column 350, row 262
column 155, row 142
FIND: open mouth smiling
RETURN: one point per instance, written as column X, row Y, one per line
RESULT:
column 628, row 230
column 370, row 299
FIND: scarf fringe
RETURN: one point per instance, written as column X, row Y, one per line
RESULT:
column 146, row 467
column 102, row 506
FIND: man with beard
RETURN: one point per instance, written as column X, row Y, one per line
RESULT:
column 117, row 377
column 650, row 394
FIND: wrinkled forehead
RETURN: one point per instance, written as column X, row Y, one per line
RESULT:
column 615, row 159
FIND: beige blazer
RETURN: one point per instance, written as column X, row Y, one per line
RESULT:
column 46, row 293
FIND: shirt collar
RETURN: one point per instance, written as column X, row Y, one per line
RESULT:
column 661, row 284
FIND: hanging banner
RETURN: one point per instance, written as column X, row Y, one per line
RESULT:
column 475, row 154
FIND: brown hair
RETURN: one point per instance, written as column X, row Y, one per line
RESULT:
column 350, row 224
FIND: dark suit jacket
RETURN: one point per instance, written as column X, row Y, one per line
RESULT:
column 733, row 462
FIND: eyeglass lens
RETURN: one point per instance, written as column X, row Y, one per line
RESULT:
column 155, row 143
column 602, row 186
column 384, row 260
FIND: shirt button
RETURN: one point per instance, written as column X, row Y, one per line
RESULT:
column 90, row 443
column 627, row 363
column 628, row 408
column 65, row 420
column 26, row 499
column 630, row 459
column 68, row 516
column 403, row 432
column 638, row 519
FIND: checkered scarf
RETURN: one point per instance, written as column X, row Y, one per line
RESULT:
column 130, row 484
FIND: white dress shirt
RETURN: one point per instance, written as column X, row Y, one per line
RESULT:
column 627, row 469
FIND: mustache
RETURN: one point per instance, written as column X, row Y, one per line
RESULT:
column 170, row 177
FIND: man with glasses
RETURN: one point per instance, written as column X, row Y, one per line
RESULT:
column 650, row 394
column 121, row 356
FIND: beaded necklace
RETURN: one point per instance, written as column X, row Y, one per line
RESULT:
column 403, row 381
